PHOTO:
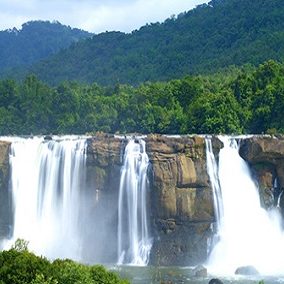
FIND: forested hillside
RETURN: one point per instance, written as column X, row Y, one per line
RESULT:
column 243, row 101
column 162, row 78
column 203, row 40
column 34, row 41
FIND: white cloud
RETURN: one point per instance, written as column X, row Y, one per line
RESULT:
column 133, row 15
column 92, row 15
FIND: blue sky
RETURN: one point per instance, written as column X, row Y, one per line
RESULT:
column 92, row 15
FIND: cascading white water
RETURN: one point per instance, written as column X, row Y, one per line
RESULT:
column 212, row 170
column 134, row 242
column 46, row 178
column 249, row 235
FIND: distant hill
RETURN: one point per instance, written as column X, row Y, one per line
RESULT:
column 36, row 40
column 205, row 39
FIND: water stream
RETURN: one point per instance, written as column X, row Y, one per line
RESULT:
column 46, row 177
column 134, row 242
column 248, row 234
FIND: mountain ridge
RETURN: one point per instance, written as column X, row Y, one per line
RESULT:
column 205, row 39
column 34, row 41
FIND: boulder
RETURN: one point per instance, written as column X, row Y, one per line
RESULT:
column 200, row 271
column 215, row 281
column 246, row 270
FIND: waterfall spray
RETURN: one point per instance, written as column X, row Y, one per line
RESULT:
column 249, row 235
column 46, row 178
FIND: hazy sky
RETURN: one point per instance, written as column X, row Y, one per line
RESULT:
column 92, row 15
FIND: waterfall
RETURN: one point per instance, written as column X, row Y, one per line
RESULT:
column 212, row 171
column 249, row 235
column 46, row 177
column 134, row 242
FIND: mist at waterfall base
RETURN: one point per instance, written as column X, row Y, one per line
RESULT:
column 62, row 213
column 54, row 205
column 247, row 233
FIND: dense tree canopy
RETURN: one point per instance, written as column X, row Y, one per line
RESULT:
column 205, row 39
column 244, row 100
column 34, row 41
column 19, row 266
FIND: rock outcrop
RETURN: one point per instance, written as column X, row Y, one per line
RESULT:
column 181, row 199
column 181, row 204
column 104, row 160
column 265, row 155
column 5, row 198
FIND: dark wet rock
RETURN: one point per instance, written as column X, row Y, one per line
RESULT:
column 6, row 206
column 200, row 271
column 215, row 281
column 47, row 137
column 246, row 270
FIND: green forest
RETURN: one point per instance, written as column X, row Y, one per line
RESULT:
column 239, row 100
column 36, row 40
column 202, row 41
column 215, row 69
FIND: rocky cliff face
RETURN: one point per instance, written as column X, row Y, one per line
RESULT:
column 265, row 155
column 181, row 200
column 181, row 205
column 104, row 161
column 5, row 198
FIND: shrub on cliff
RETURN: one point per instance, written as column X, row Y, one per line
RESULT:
column 19, row 266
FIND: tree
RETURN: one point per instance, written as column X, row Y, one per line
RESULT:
column 36, row 106
column 215, row 114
